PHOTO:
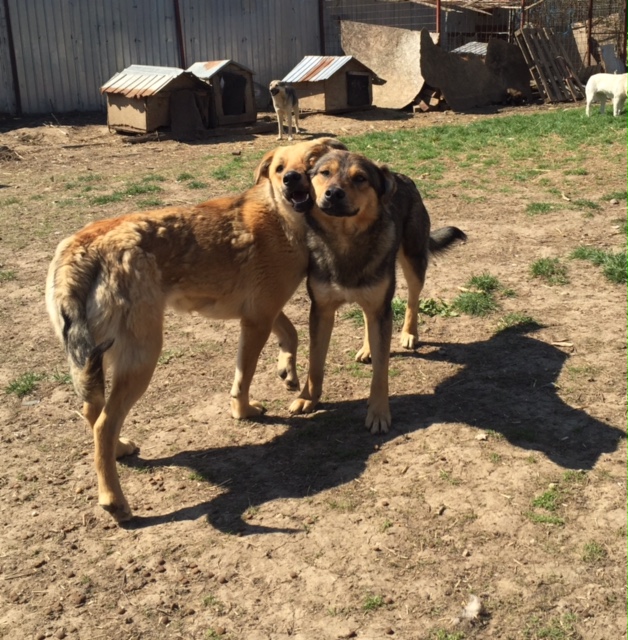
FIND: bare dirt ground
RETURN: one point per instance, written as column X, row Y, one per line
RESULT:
column 504, row 476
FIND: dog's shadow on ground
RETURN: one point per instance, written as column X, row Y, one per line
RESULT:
column 507, row 385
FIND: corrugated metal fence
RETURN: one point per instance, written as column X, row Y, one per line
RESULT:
column 56, row 54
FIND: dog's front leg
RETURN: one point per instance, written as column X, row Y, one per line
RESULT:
column 280, row 123
column 289, row 116
column 378, row 418
column 253, row 337
column 296, row 120
column 321, row 326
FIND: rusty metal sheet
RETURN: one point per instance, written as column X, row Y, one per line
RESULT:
column 205, row 70
column 141, row 80
column 316, row 68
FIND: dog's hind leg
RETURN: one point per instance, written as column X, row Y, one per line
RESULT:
column 414, row 268
column 131, row 375
column 296, row 120
column 253, row 336
column 364, row 354
column 288, row 343
column 289, row 116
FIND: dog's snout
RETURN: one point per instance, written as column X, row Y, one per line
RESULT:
column 291, row 178
column 335, row 194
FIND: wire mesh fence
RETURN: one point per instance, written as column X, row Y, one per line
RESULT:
column 592, row 32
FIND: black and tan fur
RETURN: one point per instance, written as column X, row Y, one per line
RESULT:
column 234, row 257
column 286, row 105
column 365, row 218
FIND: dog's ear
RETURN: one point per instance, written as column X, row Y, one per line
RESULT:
column 388, row 184
column 332, row 143
column 262, row 169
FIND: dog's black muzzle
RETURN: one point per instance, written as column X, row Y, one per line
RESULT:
column 295, row 193
column 334, row 203
column 274, row 91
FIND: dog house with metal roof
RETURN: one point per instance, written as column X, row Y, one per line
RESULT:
column 232, row 87
column 141, row 99
column 333, row 83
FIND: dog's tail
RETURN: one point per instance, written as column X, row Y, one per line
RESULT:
column 442, row 239
column 72, row 276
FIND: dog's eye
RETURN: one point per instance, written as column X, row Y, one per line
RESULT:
column 324, row 172
column 359, row 178
column 280, row 168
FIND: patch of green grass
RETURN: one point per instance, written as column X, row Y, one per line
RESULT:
column 24, row 385
column 588, row 205
column 7, row 276
column 447, row 477
column 354, row 313
column 616, row 195
column 195, row 476
column 182, row 177
column 372, row 602
column 535, row 208
column 579, row 171
column 150, row 203
column 62, row 377
column 344, row 505
column 228, row 170
column 613, row 264
column 197, row 184
column 593, row 552
column 142, row 189
column 551, row 270
column 107, row 199
column 153, row 177
column 542, row 518
column 562, row 628
column 474, row 303
column 485, row 282
column 442, row 634
column 9, row 201
column 547, row 500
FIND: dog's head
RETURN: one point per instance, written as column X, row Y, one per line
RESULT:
column 276, row 86
column 287, row 169
column 349, row 185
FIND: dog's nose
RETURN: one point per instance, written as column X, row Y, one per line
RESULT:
column 335, row 194
column 291, row 178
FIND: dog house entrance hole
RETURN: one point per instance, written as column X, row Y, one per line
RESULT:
column 233, row 90
column 358, row 90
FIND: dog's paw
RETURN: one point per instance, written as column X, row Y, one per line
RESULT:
column 126, row 447
column 409, row 341
column 287, row 371
column 363, row 355
column 378, row 421
column 241, row 411
column 301, row 405
column 121, row 512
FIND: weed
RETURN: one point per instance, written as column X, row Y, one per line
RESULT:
column 24, row 385
column 7, row 276
column 594, row 552
column 541, row 518
column 547, row 500
column 551, row 270
column 442, row 634
column 616, row 195
column 182, row 177
column 534, row 208
column 354, row 313
column 141, row 189
column 107, row 199
column 587, row 205
column 431, row 308
column 495, row 458
column 195, row 476
column 197, row 184
column 372, row 602
column 387, row 524
column 613, row 264
column 580, row 171
column 61, row 377
column 447, row 477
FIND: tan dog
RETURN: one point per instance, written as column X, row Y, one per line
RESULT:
column 365, row 218
column 286, row 105
column 234, row 257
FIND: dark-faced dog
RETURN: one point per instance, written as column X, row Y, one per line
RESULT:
column 286, row 104
column 365, row 218
column 234, row 257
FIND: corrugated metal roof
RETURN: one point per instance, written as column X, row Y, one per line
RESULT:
column 206, row 70
column 139, row 81
column 477, row 48
column 315, row 68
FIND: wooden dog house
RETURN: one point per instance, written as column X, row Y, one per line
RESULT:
column 333, row 83
column 141, row 99
column 232, row 88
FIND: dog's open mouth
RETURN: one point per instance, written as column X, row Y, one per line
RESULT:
column 300, row 201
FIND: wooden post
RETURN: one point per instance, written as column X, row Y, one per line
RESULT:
column 438, row 20
column 589, row 32
column 523, row 14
